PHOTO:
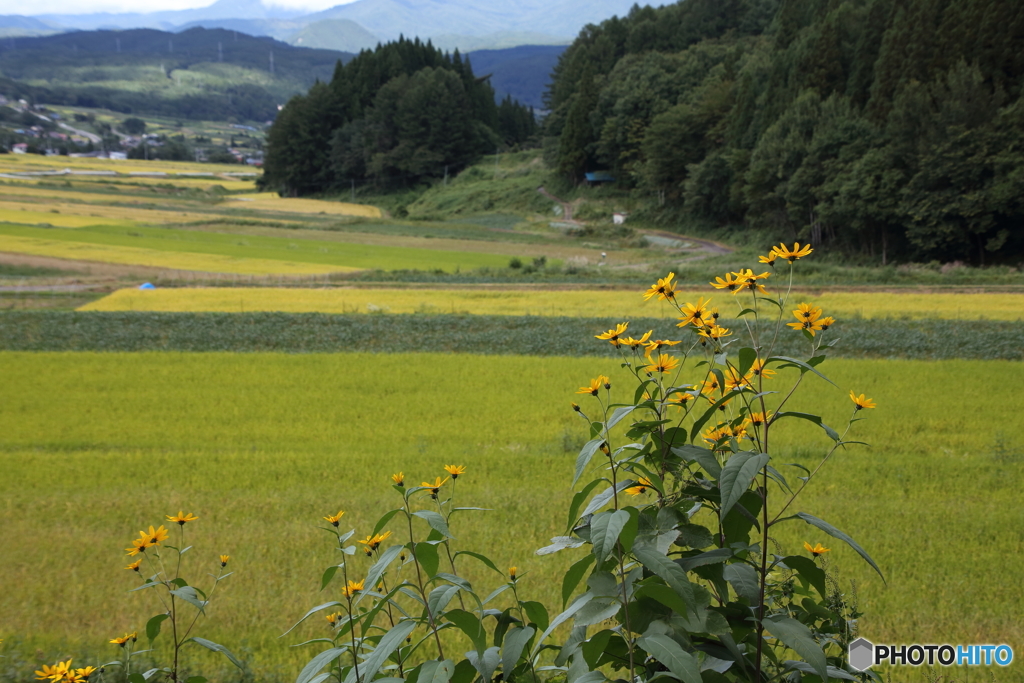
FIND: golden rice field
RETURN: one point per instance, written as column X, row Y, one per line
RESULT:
column 624, row 303
column 261, row 446
column 22, row 212
column 158, row 258
column 33, row 163
column 56, row 218
column 270, row 201
column 100, row 195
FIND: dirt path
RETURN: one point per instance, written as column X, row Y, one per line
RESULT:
column 566, row 206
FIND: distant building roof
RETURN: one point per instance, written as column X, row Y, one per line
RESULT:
column 600, row 177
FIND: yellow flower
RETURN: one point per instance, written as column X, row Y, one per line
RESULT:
column 134, row 566
column 710, row 384
column 512, row 573
column 769, row 259
column 641, row 487
column 861, row 401
column 637, row 343
column 827, row 323
column 334, row 520
column 122, row 640
column 352, row 588
column 612, row 336
column 139, row 545
column 729, row 282
column 657, row 345
column 155, row 535
column 332, row 619
column 758, row 419
column 679, row 400
column 748, row 280
column 808, row 316
column 371, row 543
column 55, row 672
column 714, row 333
column 758, row 369
column 734, row 381
column 792, row 254
column 435, row 487
column 665, row 363
column 84, row 673
column 595, row 386
column 399, row 479
column 663, row 288
column 455, row 470
column 816, row 549
column 224, row 560
column 181, row 518
column 694, row 314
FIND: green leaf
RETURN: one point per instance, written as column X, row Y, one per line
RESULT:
column 153, row 626
column 439, row 598
column 577, row 501
column 190, row 595
column 618, row 414
column 136, row 678
column 743, row 579
column 382, row 522
column 668, row 652
column 798, row 638
column 483, row 558
column 512, row 648
column 804, row 367
column 436, row 522
column 536, row 613
column 816, row 419
column 486, row 662
column 195, row 679
column 210, row 645
column 328, row 575
column 426, row 555
column 605, row 528
column 380, row 566
column 573, row 576
column 603, row 498
column 695, row 430
column 716, row 556
column 469, row 624
column 578, row 604
column 747, row 358
column 311, row 613
column 703, row 457
column 836, row 533
column 560, row 543
column 737, row 474
column 808, row 571
column 464, row 673
column 320, row 661
column 586, row 453
column 433, row 671
column 391, row 641
column 668, row 570
column 833, row 672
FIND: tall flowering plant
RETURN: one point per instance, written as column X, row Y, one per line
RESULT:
column 676, row 499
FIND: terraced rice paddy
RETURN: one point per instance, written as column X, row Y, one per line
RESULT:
column 622, row 304
column 262, row 446
column 270, row 201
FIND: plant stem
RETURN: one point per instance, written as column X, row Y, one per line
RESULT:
column 419, row 583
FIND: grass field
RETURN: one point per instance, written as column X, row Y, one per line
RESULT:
column 262, row 446
column 612, row 303
column 118, row 244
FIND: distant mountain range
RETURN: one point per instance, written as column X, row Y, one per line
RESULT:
column 463, row 24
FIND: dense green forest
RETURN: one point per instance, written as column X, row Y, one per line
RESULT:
column 396, row 115
column 889, row 128
column 198, row 74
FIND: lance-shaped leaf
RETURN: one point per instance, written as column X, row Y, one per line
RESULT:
column 469, row 624
column 309, row 614
column 743, row 579
column 379, row 567
column 602, row 499
column 668, row 652
column 836, row 533
column 803, row 367
column 512, row 647
column 670, row 572
column 435, row 520
column 391, row 641
column 216, row 647
column 191, row 596
column 320, row 661
column 561, row 543
column 737, row 474
column 586, row 453
column 484, row 663
column 575, row 607
column 605, row 528
column 798, row 638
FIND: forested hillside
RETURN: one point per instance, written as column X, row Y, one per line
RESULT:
column 395, row 115
column 196, row 74
column 893, row 128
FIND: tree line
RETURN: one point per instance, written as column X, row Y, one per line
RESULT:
column 890, row 128
column 396, row 115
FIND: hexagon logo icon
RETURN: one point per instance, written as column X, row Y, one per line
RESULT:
column 861, row 654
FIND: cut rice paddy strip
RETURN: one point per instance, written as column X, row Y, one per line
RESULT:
column 529, row 335
column 329, row 255
column 270, row 201
column 58, row 219
column 620, row 304
column 141, row 256
column 21, row 212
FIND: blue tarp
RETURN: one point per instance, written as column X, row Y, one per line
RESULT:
column 147, row 285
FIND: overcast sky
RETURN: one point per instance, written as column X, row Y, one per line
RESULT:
column 89, row 6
